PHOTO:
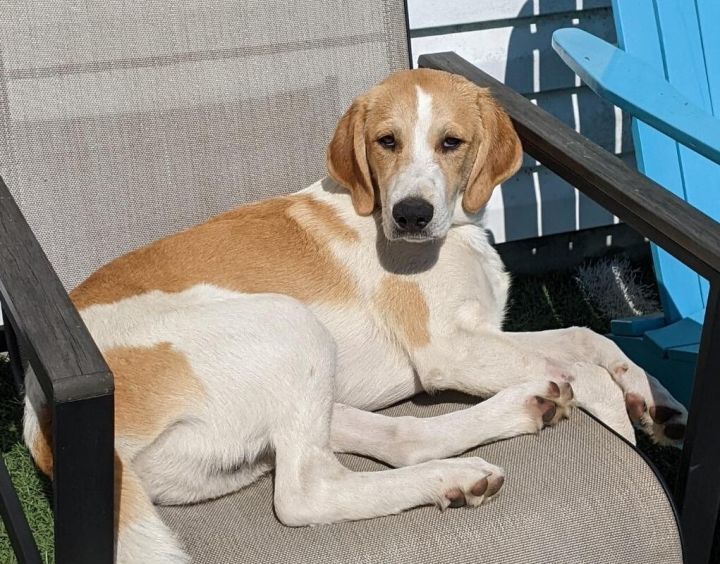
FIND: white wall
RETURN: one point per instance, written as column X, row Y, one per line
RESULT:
column 510, row 39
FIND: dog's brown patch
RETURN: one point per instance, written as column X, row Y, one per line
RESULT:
column 403, row 306
column 41, row 449
column 153, row 387
column 322, row 221
column 276, row 246
column 131, row 502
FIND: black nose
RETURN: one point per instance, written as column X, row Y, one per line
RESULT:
column 412, row 214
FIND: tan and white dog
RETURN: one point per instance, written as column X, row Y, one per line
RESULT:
column 265, row 337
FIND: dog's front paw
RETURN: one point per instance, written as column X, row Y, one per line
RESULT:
column 650, row 406
column 527, row 408
column 469, row 481
column 665, row 424
column 551, row 403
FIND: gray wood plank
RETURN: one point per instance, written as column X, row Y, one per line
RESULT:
column 434, row 13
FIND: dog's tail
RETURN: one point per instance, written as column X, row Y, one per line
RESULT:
column 140, row 534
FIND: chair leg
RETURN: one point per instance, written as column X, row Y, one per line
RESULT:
column 698, row 490
column 83, row 480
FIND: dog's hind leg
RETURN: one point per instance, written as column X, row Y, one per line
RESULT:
column 311, row 486
column 189, row 463
column 403, row 441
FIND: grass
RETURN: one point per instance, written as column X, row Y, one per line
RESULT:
column 33, row 489
column 548, row 301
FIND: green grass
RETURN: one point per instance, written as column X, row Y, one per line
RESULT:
column 32, row 488
column 548, row 301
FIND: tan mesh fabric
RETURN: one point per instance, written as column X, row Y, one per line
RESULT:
column 121, row 122
column 575, row 494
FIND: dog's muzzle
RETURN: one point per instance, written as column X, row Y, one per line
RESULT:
column 412, row 216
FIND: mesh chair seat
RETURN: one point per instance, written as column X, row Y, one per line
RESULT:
column 576, row 494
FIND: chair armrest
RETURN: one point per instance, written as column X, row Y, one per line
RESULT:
column 682, row 230
column 64, row 356
column 638, row 89
column 78, row 386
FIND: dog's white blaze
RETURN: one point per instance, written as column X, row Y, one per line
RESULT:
column 421, row 150
column 422, row 177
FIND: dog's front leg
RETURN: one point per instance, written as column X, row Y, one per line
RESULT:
column 487, row 362
column 405, row 441
column 604, row 380
column 647, row 401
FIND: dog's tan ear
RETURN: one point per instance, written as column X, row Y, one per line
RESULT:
column 499, row 154
column 347, row 158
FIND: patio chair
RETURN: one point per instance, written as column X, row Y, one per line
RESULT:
column 667, row 75
column 121, row 125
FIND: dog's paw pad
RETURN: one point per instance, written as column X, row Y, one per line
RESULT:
column 495, row 482
column 546, row 408
column 664, row 424
column 468, row 481
column 479, row 488
column 662, row 413
column 554, row 404
column 635, row 406
column 456, row 497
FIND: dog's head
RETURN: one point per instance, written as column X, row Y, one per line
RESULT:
column 416, row 142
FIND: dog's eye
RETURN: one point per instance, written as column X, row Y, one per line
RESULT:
column 387, row 141
column 450, row 143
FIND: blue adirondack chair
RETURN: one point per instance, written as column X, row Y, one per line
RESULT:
column 666, row 74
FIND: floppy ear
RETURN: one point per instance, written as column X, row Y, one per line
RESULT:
column 499, row 154
column 347, row 159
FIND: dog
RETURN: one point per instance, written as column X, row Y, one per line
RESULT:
column 267, row 336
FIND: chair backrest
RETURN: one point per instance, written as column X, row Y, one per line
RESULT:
column 123, row 122
column 681, row 40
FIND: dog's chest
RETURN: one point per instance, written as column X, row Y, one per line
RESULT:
column 404, row 308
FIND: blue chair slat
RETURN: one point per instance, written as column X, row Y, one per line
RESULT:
column 637, row 326
column 708, row 17
column 687, row 353
column 683, row 48
column 641, row 90
column 679, row 334
column 675, row 48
